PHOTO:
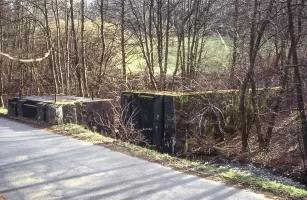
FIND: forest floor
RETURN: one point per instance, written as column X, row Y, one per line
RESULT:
column 285, row 155
column 275, row 187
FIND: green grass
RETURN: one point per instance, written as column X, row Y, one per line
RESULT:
column 248, row 179
column 216, row 55
column 81, row 133
column 3, row 111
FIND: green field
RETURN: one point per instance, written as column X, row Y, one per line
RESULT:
column 216, row 55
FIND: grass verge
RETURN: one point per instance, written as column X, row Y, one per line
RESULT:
column 3, row 111
column 272, row 189
column 279, row 190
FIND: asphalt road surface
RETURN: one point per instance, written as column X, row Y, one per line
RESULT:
column 36, row 164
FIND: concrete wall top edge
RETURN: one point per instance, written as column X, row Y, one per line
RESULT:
column 60, row 100
column 176, row 94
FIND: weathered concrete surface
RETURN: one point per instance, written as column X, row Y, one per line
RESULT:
column 35, row 164
column 97, row 115
column 12, row 108
column 19, row 108
column 41, row 112
column 54, row 114
column 69, row 114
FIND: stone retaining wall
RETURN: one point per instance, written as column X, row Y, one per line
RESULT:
column 188, row 122
column 97, row 114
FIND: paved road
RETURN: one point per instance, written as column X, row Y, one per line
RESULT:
column 36, row 164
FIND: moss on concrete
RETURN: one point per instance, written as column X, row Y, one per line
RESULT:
column 66, row 102
column 178, row 94
column 146, row 97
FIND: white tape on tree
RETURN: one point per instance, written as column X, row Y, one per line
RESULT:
column 26, row 60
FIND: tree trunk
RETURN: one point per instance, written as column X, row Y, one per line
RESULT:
column 256, row 35
column 50, row 46
column 67, row 48
column 297, row 77
column 84, row 69
column 1, row 61
column 76, row 55
column 123, row 42
column 235, row 45
column 58, row 36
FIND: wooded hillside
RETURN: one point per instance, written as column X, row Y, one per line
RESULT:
column 102, row 47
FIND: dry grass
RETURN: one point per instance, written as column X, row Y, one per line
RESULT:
column 81, row 133
column 3, row 197
column 284, row 154
column 3, row 112
column 278, row 190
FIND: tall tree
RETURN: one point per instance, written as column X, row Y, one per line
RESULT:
column 84, row 70
column 1, row 60
column 297, row 76
column 123, row 48
column 257, row 32
column 76, row 54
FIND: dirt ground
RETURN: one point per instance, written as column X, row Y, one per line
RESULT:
column 285, row 155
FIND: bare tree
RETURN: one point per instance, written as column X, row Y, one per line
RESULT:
column 297, row 76
column 1, row 60
column 257, row 31
column 76, row 54
column 84, row 70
